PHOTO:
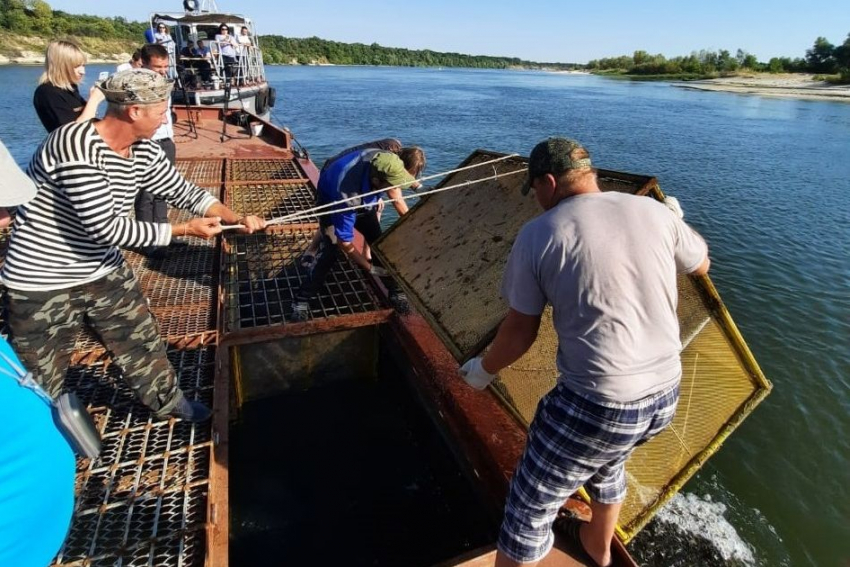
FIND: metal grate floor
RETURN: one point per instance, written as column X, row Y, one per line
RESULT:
column 144, row 500
column 202, row 172
column 272, row 200
column 262, row 275
column 263, row 170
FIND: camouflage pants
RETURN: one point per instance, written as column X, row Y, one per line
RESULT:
column 44, row 325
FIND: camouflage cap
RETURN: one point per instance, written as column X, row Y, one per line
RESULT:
column 135, row 86
column 553, row 156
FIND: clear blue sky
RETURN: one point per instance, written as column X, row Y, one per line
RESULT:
column 538, row 30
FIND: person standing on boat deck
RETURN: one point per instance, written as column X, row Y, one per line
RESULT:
column 354, row 173
column 245, row 39
column 607, row 263
column 308, row 258
column 227, row 46
column 148, row 207
column 63, row 263
column 57, row 99
column 163, row 37
column 135, row 62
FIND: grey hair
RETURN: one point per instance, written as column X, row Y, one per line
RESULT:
column 116, row 108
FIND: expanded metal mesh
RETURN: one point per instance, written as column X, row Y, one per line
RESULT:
column 450, row 253
column 262, row 275
column 180, row 289
column 271, row 200
column 714, row 388
column 202, row 172
column 143, row 501
column 263, row 170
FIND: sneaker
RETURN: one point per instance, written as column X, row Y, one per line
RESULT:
column 190, row 410
column 300, row 311
column 307, row 261
column 398, row 299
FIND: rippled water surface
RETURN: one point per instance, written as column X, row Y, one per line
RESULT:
column 766, row 181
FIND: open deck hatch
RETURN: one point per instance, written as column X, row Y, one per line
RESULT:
column 449, row 254
column 334, row 460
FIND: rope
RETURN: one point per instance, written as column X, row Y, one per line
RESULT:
column 306, row 213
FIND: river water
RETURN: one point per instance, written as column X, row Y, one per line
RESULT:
column 766, row 181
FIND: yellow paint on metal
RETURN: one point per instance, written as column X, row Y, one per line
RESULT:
column 236, row 372
column 449, row 254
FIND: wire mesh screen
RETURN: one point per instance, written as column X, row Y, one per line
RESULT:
column 478, row 224
column 272, row 200
column 143, row 501
column 202, row 172
column 263, row 273
column 263, row 170
column 450, row 251
column 715, row 389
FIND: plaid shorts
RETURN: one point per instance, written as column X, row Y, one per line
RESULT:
column 575, row 442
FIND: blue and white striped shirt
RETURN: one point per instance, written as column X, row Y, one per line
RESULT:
column 70, row 232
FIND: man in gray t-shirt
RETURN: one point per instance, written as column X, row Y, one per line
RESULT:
column 607, row 263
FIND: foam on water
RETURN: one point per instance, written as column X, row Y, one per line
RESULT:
column 706, row 518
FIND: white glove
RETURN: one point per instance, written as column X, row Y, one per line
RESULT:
column 672, row 203
column 474, row 374
column 379, row 272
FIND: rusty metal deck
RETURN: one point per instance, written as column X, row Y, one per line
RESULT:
column 262, row 275
column 156, row 492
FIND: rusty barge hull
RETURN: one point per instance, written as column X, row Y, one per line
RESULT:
column 159, row 494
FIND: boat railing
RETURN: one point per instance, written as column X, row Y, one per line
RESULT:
column 247, row 69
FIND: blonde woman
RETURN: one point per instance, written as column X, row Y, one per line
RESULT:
column 57, row 99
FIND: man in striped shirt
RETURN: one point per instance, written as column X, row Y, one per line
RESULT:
column 63, row 262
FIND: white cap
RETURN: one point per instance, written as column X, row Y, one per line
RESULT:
column 16, row 187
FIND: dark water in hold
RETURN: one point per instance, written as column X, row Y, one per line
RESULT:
column 351, row 472
column 766, row 181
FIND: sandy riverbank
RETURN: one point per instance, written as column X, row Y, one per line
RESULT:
column 800, row 86
column 31, row 58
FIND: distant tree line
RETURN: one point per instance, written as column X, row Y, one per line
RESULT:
column 822, row 58
column 36, row 17
column 278, row 49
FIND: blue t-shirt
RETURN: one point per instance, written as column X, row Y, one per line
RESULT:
column 347, row 176
column 36, row 475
